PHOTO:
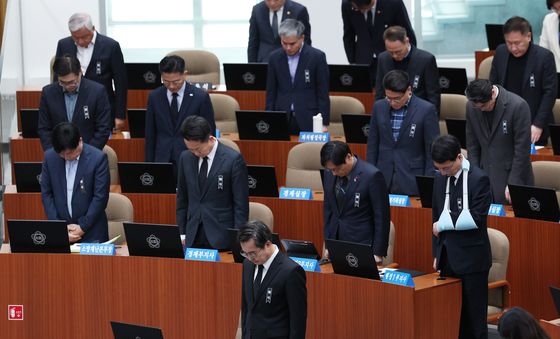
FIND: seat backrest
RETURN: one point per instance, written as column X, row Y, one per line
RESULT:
column 51, row 68
column 201, row 66
column 113, row 164
column 556, row 111
column 499, row 244
column 224, row 112
column 304, row 163
column 341, row 104
column 230, row 143
column 453, row 106
column 119, row 209
column 258, row 211
column 485, row 67
column 547, row 174
column 389, row 259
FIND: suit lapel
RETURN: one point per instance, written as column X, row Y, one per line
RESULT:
column 187, row 99
column 94, row 56
column 79, row 108
column 353, row 182
column 410, row 111
column 302, row 64
column 270, row 274
column 216, row 166
column 499, row 112
column 166, row 110
column 332, row 187
column 82, row 165
column 529, row 68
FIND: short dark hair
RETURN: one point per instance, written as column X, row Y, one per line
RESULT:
column 172, row 64
column 550, row 3
column 395, row 33
column 361, row 2
column 479, row 90
column 196, row 128
column 65, row 137
column 517, row 24
column 520, row 324
column 66, row 64
column 445, row 148
column 256, row 230
column 335, row 152
column 396, row 81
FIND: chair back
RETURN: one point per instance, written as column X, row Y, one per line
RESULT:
column 342, row 105
column 499, row 244
column 453, row 106
column 119, row 209
column 304, row 163
column 547, row 174
column 258, row 211
column 485, row 67
column 113, row 164
column 556, row 111
column 230, row 143
column 201, row 66
column 224, row 112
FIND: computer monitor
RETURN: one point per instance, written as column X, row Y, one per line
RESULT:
column 38, row 236
column 300, row 249
column 452, row 80
column 494, row 35
column 137, row 122
column 27, row 176
column 153, row 240
column 349, row 78
column 262, row 181
column 262, row 125
column 356, row 127
column 349, row 258
column 246, row 77
column 143, row 75
column 534, row 203
column 458, row 128
column 147, row 177
column 425, row 186
column 133, row 331
column 29, row 122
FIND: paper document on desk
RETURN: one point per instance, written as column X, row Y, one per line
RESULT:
column 75, row 248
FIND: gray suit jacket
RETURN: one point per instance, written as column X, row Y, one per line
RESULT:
column 503, row 152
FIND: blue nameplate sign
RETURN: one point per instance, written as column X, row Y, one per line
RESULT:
column 218, row 133
column 314, row 137
column 533, row 149
column 202, row 254
column 295, row 193
column 398, row 278
column 310, row 265
column 399, row 200
column 97, row 249
column 497, row 210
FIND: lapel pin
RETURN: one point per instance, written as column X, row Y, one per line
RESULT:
column 288, row 13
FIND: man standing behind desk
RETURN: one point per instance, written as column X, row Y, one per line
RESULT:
column 460, row 244
column 298, row 79
column 274, row 295
column 263, row 26
column 77, row 100
column 168, row 106
column 356, row 204
column 101, row 59
column 75, row 185
column 212, row 188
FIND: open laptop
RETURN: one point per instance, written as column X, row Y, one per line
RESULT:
column 133, row 331
column 555, row 292
column 494, row 35
column 353, row 259
column 425, row 190
column 38, row 236
column 246, row 77
column 236, row 247
column 29, row 122
column 356, row 127
column 458, row 128
column 262, row 125
column 300, row 249
column 452, row 80
column 137, row 122
column 262, row 181
column 147, row 177
column 143, row 75
column 349, row 78
column 153, row 240
column 27, row 176
column 534, row 203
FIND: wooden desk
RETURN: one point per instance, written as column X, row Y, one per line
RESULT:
column 187, row 299
column 552, row 328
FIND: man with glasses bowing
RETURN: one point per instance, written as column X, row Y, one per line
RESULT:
column 74, row 99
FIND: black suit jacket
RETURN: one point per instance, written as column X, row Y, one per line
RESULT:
column 106, row 66
column 261, row 38
column 92, row 114
column 539, row 83
column 365, row 215
column 309, row 92
column 163, row 139
column 422, row 72
column 285, row 313
column 223, row 202
column 467, row 251
column 362, row 43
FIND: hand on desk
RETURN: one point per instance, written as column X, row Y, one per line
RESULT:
column 119, row 124
column 74, row 233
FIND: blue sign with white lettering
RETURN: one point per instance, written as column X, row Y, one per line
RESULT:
column 202, row 254
column 310, row 265
column 533, row 149
column 497, row 210
column 295, row 193
column 398, row 278
column 314, row 137
column 217, row 133
column 97, row 249
column 399, row 200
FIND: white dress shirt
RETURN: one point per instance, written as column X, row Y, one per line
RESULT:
column 267, row 263
column 84, row 53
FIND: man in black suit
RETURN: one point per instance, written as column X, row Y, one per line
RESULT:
column 298, row 79
column 364, row 23
column 264, row 24
column 101, row 59
column 529, row 71
column 74, row 99
column 212, row 188
column 274, row 295
column 460, row 244
column 401, row 133
column 168, row 106
column 420, row 65
column 356, row 203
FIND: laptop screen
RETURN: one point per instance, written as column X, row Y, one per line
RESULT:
column 262, row 125
column 153, row 240
column 247, row 77
column 38, row 236
column 29, row 122
column 27, row 176
column 262, row 181
column 494, row 35
column 534, row 203
column 452, row 80
column 349, row 78
column 143, row 75
column 147, row 177
column 131, row 331
column 353, row 259
column 356, row 127
column 137, row 122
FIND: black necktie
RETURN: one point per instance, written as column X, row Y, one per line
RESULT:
column 275, row 25
column 341, row 190
column 369, row 19
column 257, row 281
column 203, row 173
column 174, row 107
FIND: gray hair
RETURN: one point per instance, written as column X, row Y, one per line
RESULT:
column 78, row 21
column 291, row 27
